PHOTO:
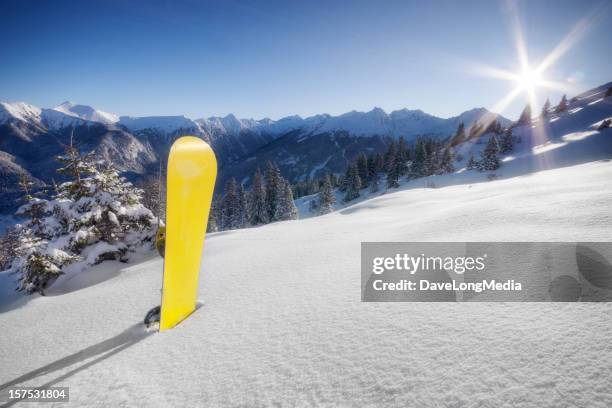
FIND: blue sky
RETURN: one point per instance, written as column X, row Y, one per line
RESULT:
column 273, row 59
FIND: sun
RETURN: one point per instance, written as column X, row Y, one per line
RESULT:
column 529, row 79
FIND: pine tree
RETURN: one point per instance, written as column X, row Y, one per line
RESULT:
column 243, row 207
column 507, row 142
column 362, row 168
column 213, row 217
column 95, row 216
column 476, row 130
column 459, row 136
column 401, row 158
column 419, row 164
column 393, row 170
column 285, row 208
column 446, row 164
column 472, row 164
column 9, row 244
column 525, row 118
column 273, row 189
column 258, row 202
column 230, row 216
column 490, row 161
column 326, row 198
column 562, row 106
column 352, row 182
column 374, row 183
column 545, row 108
column 608, row 92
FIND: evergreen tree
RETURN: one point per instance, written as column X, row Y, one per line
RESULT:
column 507, row 142
column 402, row 156
column 352, row 182
column 476, row 130
column 525, row 118
column 608, row 92
column 419, row 164
column 374, row 182
column 562, row 106
column 9, row 244
column 362, row 168
column 472, row 164
column 95, row 216
column 490, row 161
column 243, row 207
column 229, row 215
column 390, row 157
column 273, row 189
column 459, row 136
column 285, row 208
column 446, row 164
column 545, row 108
column 258, row 204
column 326, row 197
column 213, row 217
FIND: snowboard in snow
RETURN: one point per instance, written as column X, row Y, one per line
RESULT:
column 192, row 171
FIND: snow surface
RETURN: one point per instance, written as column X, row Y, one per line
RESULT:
column 281, row 322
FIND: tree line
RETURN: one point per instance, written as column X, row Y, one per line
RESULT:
column 270, row 199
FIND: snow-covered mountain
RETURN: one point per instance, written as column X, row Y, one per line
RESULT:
column 304, row 147
column 404, row 122
column 86, row 112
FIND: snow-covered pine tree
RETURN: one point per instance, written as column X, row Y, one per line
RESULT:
column 419, row 163
column 273, row 189
column 285, row 208
column 391, row 165
column 525, row 118
column 475, row 130
column 401, row 157
column 352, row 182
column 562, row 106
column 472, row 164
column 362, row 168
column 243, row 207
column 213, row 217
column 374, row 182
column 490, row 161
column 9, row 241
column 95, row 216
column 507, row 142
column 545, row 108
column 326, row 196
column 230, row 206
column 258, row 203
column 459, row 136
column 446, row 163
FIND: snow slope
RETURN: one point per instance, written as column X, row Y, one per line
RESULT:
column 281, row 322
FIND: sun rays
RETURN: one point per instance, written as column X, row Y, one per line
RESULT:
column 531, row 79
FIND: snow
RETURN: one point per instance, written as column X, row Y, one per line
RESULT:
column 87, row 113
column 19, row 110
column 167, row 124
column 280, row 322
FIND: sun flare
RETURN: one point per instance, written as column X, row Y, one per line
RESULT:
column 529, row 79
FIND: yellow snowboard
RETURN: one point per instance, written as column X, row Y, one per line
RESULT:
column 192, row 171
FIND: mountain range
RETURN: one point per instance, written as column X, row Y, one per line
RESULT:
column 30, row 138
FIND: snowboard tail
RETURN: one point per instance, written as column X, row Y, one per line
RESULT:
column 192, row 171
